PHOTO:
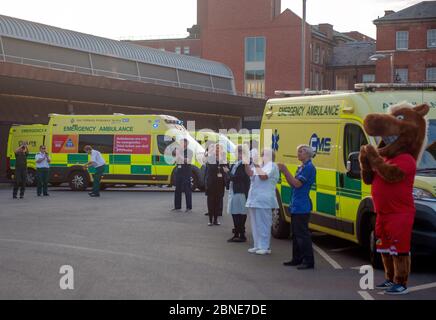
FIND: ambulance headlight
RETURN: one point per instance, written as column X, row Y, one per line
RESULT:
column 421, row 194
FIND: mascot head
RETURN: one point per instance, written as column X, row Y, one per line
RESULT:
column 403, row 130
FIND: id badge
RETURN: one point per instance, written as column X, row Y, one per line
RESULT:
column 219, row 175
column 179, row 166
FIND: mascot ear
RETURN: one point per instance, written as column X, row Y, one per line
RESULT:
column 422, row 109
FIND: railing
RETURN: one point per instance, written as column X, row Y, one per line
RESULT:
column 111, row 74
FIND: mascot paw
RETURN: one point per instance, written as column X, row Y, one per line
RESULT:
column 371, row 153
column 363, row 159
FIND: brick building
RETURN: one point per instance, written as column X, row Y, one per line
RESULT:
column 410, row 36
column 350, row 64
column 262, row 45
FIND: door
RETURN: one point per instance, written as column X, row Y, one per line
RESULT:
column 349, row 190
column 131, row 158
column 163, row 164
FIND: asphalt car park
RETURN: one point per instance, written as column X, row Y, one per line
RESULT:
column 127, row 244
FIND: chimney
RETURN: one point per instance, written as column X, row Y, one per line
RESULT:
column 388, row 12
column 327, row 29
column 276, row 8
column 202, row 13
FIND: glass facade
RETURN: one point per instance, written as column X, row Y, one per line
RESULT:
column 255, row 48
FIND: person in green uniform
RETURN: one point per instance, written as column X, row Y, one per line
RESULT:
column 20, row 176
column 98, row 163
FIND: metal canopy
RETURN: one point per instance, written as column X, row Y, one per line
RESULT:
column 41, row 33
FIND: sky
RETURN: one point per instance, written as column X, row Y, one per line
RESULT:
column 148, row 19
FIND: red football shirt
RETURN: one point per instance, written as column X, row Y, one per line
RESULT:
column 395, row 197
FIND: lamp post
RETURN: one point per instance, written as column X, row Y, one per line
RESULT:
column 381, row 56
column 303, row 49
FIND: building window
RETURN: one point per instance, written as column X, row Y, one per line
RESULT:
column 255, row 49
column 255, row 83
column 401, row 75
column 431, row 74
column 317, row 82
column 187, row 50
column 431, row 38
column 402, row 40
column 316, row 55
column 178, row 50
column 368, row 78
column 342, row 82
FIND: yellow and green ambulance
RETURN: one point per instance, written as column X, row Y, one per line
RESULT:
column 133, row 147
column 34, row 136
column 333, row 126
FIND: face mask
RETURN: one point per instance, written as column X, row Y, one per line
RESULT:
column 389, row 139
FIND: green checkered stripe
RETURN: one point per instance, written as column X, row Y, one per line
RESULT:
column 325, row 202
column 30, row 160
column 123, row 162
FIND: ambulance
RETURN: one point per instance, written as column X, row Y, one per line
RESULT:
column 332, row 125
column 34, row 136
column 133, row 147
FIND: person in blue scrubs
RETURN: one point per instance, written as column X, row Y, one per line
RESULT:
column 300, row 208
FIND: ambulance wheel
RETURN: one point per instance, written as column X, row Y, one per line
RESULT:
column 31, row 178
column 374, row 256
column 78, row 181
column 280, row 229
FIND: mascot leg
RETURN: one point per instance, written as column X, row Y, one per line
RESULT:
column 388, row 263
column 402, row 269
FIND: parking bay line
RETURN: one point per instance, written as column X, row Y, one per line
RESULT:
column 329, row 259
column 365, row 295
column 66, row 246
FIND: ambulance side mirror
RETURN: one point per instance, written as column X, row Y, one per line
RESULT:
column 353, row 166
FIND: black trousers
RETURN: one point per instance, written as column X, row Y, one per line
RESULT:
column 42, row 175
column 183, row 184
column 20, row 181
column 302, row 250
column 215, row 206
column 239, row 223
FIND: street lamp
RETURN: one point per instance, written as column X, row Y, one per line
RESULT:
column 303, row 48
column 381, row 56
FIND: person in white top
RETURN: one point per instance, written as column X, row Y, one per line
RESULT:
column 98, row 163
column 42, row 171
column 261, row 200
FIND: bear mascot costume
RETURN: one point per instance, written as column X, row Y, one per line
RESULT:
column 390, row 169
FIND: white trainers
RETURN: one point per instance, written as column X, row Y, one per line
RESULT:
column 263, row 251
column 253, row 250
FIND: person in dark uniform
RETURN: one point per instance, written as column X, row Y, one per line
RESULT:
column 183, row 175
column 238, row 193
column 20, row 170
column 216, row 178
